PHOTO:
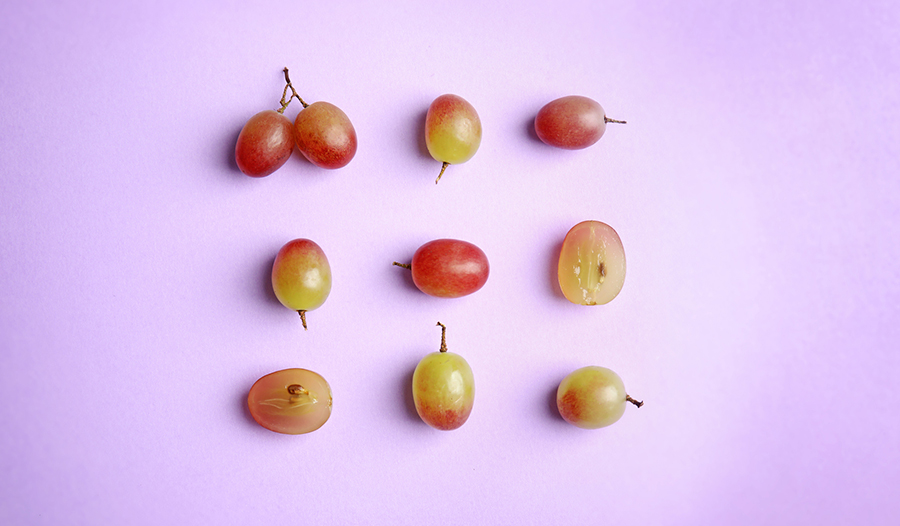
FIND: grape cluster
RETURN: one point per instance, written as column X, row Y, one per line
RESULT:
column 591, row 262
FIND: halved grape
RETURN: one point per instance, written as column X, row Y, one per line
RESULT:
column 290, row 401
column 591, row 267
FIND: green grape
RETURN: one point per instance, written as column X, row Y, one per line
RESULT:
column 592, row 397
column 452, row 131
column 301, row 276
column 443, row 388
column 591, row 267
column 291, row 401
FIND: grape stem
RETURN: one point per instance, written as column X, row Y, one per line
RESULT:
column 633, row 401
column 443, row 337
column 284, row 103
column 607, row 119
column 407, row 266
column 302, row 314
column 443, row 167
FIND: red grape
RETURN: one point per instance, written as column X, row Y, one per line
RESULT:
column 325, row 135
column 449, row 268
column 572, row 122
column 264, row 144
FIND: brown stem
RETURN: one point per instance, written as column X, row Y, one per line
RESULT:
column 607, row 119
column 284, row 103
column 443, row 167
column 303, row 318
column 443, row 337
column 407, row 266
column 633, row 401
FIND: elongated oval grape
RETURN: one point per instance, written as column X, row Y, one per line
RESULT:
column 325, row 135
column 290, row 401
column 452, row 130
column 264, row 144
column 443, row 388
column 449, row 268
column 572, row 122
column 591, row 267
column 301, row 276
column 592, row 397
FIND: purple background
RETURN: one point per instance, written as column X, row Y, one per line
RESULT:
column 755, row 188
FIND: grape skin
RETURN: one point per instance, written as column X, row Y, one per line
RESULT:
column 264, row 144
column 452, row 129
column 571, row 123
column 301, row 275
column 591, row 397
column 449, row 268
column 443, row 390
column 325, row 135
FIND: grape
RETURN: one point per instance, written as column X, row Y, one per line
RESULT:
column 443, row 388
column 264, row 144
column 592, row 397
column 572, row 122
column 301, row 276
column 448, row 268
column 291, row 401
column 591, row 264
column 325, row 136
column 452, row 131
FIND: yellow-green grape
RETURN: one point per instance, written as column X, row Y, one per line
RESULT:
column 443, row 388
column 591, row 264
column 301, row 276
column 452, row 131
column 291, row 401
column 592, row 397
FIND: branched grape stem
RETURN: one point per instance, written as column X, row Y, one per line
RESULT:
column 285, row 100
column 443, row 336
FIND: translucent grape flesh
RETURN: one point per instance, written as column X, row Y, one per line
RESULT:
column 443, row 390
column 591, row 268
column 452, row 129
column 290, row 401
column 301, row 275
column 591, row 397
